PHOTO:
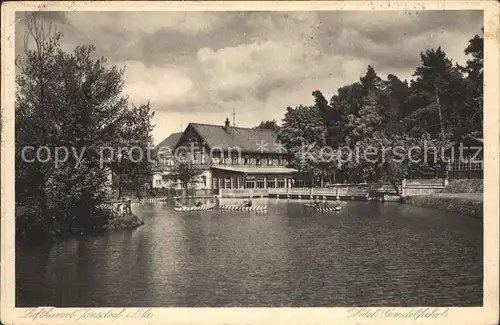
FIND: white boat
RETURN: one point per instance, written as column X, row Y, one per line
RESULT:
column 203, row 207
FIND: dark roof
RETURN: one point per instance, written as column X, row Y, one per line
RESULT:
column 170, row 142
column 246, row 139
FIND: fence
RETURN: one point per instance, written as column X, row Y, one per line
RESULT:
column 422, row 186
column 171, row 192
column 343, row 190
column 248, row 192
column 408, row 187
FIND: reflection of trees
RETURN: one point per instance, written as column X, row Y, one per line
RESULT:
column 31, row 267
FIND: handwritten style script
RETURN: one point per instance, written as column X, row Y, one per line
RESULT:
column 413, row 313
column 87, row 313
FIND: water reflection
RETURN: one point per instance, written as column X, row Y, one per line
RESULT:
column 369, row 254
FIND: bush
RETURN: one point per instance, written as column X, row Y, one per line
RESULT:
column 464, row 186
column 458, row 205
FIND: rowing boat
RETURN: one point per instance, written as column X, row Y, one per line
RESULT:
column 243, row 208
column 323, row 208
column 203, row 207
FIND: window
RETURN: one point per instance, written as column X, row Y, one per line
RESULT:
column 270, row 160
column 235, row 158
column 476, row 165
column 235, row 182
column 250, row 183
column 271, row 183
column 247, row 160
column 228, row 182
column 260, row 182
column 465, row 165
column 280, row 161
column 281, row 182
column 215, row 183
column 257, row 160
column 204, row 180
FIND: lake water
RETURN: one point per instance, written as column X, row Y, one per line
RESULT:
column 369, row 254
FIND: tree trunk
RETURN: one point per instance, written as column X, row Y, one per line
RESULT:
column 120, row 185
column 47, row 219
column 441, row 123
column 396, row 187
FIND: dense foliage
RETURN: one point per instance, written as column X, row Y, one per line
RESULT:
column 441, row 104
column 71, row 104
column 268, row 125
column 186, row 173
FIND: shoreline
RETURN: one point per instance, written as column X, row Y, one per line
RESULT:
column 450, row 203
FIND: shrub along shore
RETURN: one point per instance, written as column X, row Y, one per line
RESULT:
column 119, row 217
column 470, row 207
column 123, row 217
column 460, row 196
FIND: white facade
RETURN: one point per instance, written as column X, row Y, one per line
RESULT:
column 161, row 180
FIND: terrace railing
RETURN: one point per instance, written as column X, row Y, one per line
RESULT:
column 230, row 192
column 341, row 190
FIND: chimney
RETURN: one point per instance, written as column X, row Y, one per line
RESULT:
column 226, row 124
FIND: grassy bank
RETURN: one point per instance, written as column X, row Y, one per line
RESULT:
column 466, row 206
column 464, row 186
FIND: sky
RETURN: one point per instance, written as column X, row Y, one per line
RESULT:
column 199, row 66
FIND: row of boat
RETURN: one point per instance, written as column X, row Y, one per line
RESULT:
column 210, row 206
column 257, row 208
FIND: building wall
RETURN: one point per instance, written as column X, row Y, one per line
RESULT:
column 160, row 180
column 193, row 146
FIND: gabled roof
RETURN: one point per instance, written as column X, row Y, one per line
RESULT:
column 246, row 139
column 170, row 142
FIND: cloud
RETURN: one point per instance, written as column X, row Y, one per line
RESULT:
column 257, row 68
column 145, row 22
column 163, row 86
column 199, row 66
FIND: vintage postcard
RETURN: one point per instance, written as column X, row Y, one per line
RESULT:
column 250, row 162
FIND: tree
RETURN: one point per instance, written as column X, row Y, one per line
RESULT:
column 400, row 92
column 437, row 96
column 268, row 125
column 35, row 95
column 68, row 101
column 370, row 80
column 186, row 172
column 389, row 158
column 133, row 168
column 347, row 102
column 304, row 135
column 474, row 84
